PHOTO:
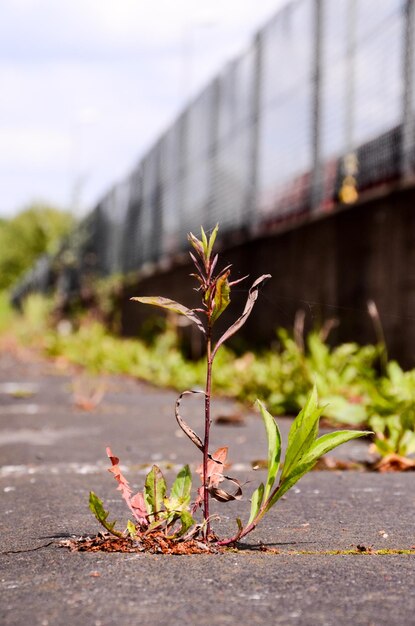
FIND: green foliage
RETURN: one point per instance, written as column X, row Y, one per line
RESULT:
column 170, row 515
column 392, row 412
column 350, row 392
column 35, row 231
column 173, row 514
column 303, row 451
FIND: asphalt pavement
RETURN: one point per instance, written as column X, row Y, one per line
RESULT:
column 52, row 454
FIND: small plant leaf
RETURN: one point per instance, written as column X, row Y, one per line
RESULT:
column 328, row 442
column 198, row 267
column 185, row 428
column 138, row 507
column 204, row 242
column 256, row 501
column 171, row 305
column 154, row 492
column 135, row 503
column 215, row 467
column 226, row 496
column 132, row 530
column 212, row 240
column 196, row 243
column 97, row 507
column 321, row 446
column 303, row 433
column 274, row 447
column 215, row 476
column 252, row 297
column 180, row 491
column 187, row 522
column 222, row 296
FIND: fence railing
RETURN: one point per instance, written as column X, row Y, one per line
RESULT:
column 320, row 107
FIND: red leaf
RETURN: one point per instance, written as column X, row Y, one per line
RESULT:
column 135, row 504
column 215, row 467
column 138, row 507
column 215, row 475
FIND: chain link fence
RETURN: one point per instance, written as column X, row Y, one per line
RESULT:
column 318, row 109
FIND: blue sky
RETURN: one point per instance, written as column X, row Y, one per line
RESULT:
column 88, row 85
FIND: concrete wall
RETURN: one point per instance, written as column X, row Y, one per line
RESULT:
column 329, row 267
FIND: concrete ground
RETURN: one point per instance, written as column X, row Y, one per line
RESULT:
column 53, row 453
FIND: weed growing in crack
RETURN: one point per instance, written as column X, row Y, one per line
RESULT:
column 174, row 516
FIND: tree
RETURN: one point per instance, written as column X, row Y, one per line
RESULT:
column 36, row 230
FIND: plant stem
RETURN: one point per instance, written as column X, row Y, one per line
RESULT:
column 208, row 391
column 248, row 529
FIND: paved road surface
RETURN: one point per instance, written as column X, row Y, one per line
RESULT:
column 53, row 453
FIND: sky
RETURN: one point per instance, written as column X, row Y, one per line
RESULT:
column 87, row 86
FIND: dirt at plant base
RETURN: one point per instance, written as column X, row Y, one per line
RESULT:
column 156, row 543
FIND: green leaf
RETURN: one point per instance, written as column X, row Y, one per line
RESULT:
column 303, row 433
column 171, row 305
column 395, row 373
column 256, row 502
column 154, row 491
column 274, row 447
column 328, row 442
column 338, row 408
column 132, row 530
column 187, row 522
column 97, row 507
column 212, row 240
column 222, row 296
column 407, row 443
column 204, row 242
column 319, row 447
column 180, row 491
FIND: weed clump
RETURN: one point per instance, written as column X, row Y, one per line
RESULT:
column 173, row 515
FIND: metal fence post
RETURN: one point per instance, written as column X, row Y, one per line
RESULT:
column 317, row 176
column 408, row 120
column 251, row 209
column 212, row 153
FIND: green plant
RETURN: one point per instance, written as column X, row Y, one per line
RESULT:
column 393, row 412
column 174, row 515
column 36, row 230
column 343, row 376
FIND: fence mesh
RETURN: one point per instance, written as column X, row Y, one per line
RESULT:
column 318, row 109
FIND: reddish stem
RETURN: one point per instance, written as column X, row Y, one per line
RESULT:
column 208, row 390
